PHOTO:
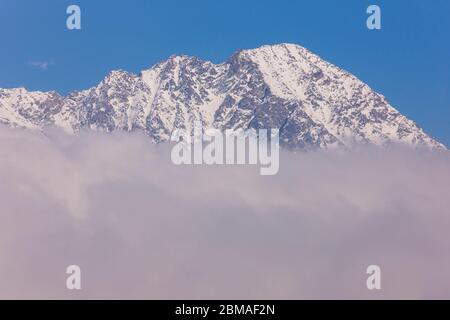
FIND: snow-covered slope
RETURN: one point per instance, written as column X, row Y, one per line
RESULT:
column 314, row 103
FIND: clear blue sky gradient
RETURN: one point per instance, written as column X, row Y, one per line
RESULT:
column 408, row 61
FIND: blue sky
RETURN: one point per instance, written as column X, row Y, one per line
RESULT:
column 408, row 60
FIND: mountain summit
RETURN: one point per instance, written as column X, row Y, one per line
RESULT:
column 314, row 103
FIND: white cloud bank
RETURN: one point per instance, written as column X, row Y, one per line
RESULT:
column 140, row 227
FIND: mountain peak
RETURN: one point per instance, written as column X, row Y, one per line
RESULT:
column 277, row 48
column 314, row 103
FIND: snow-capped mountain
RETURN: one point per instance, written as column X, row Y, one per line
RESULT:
column 312, row 102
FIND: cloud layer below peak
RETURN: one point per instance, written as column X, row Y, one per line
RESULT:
column 141, row 227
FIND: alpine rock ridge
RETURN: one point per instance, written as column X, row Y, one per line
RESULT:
column 314, row 103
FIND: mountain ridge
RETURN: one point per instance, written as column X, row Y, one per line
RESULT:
column 314, row 103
